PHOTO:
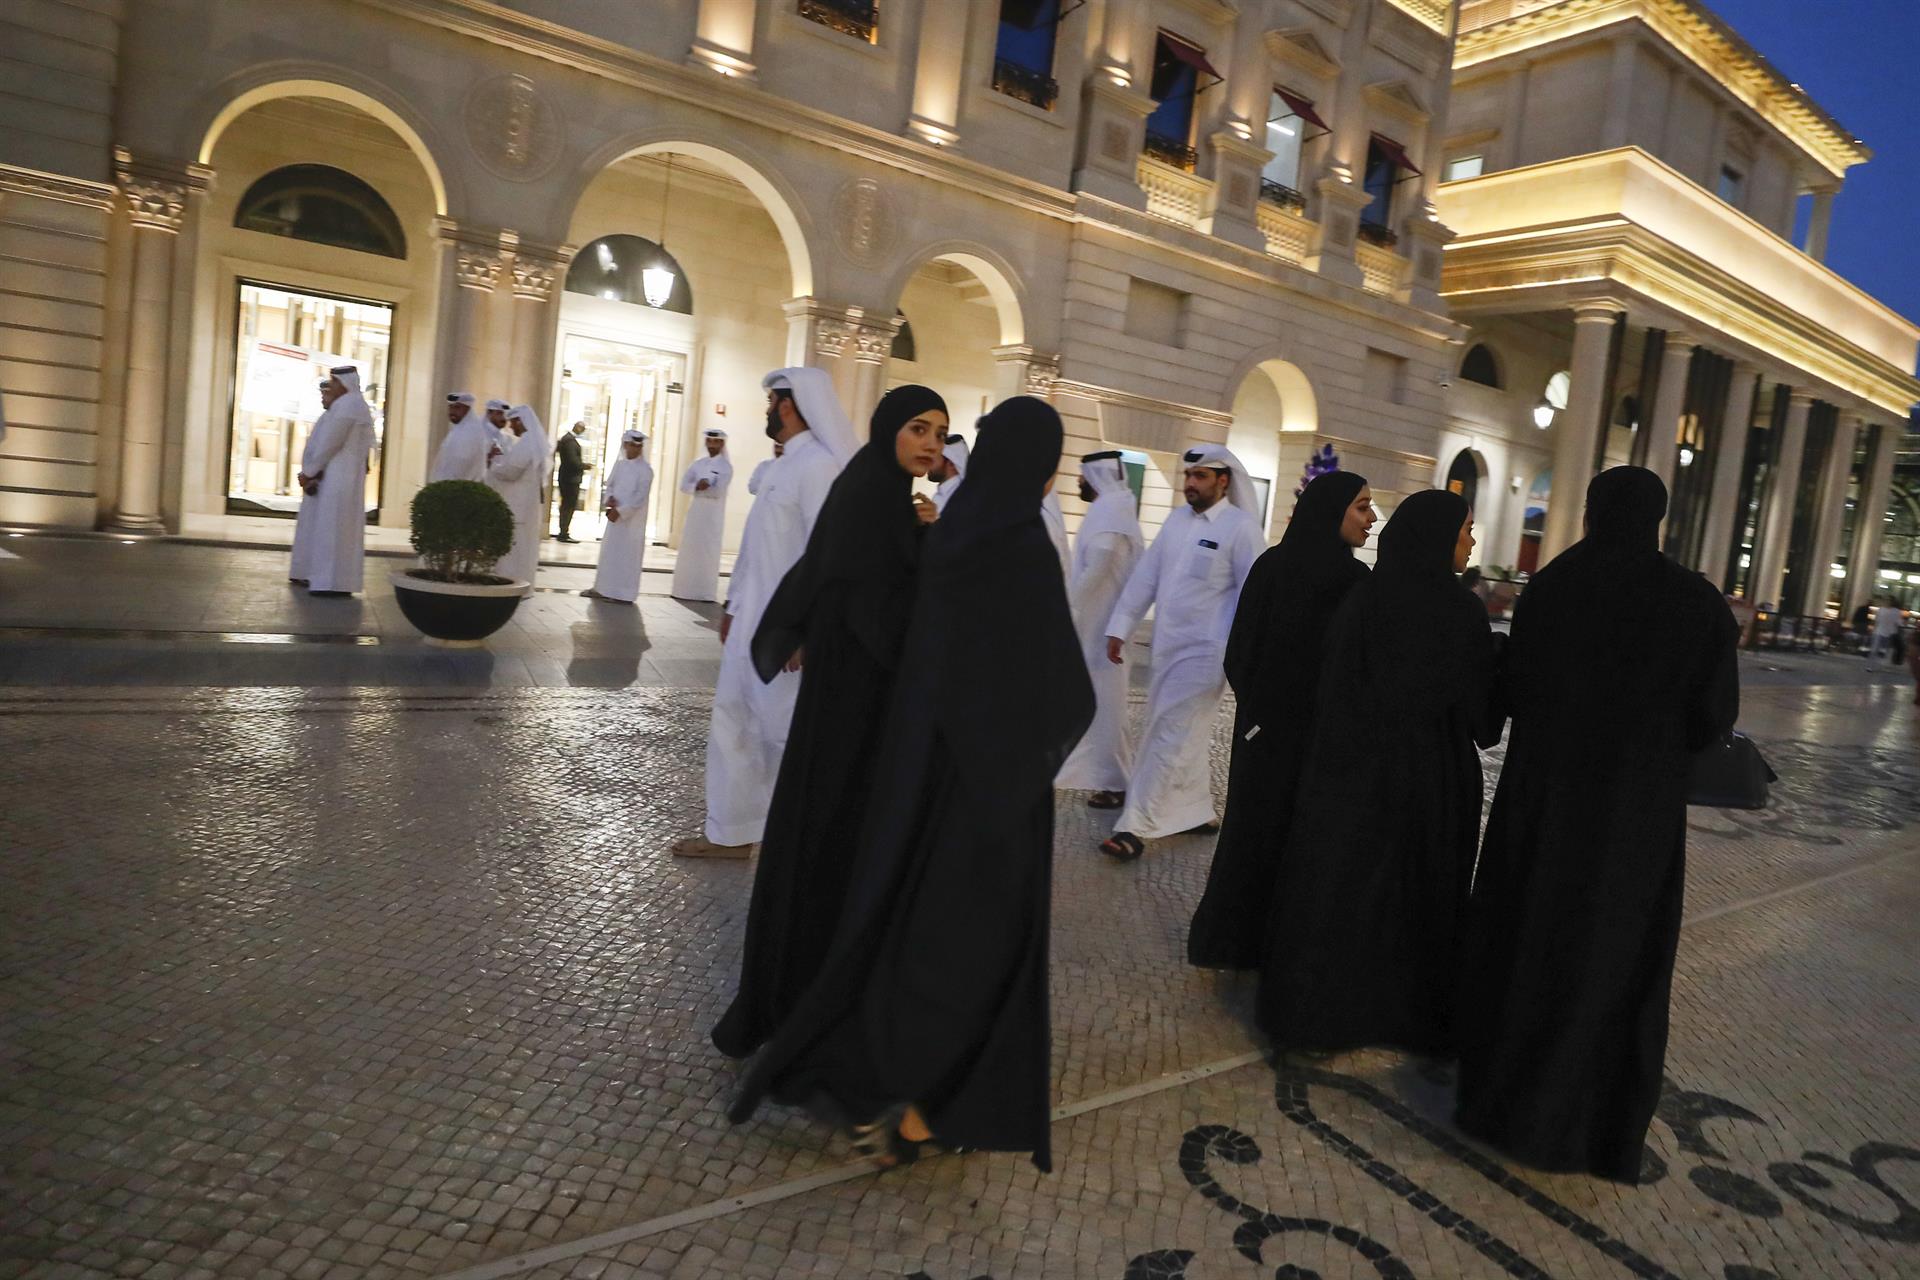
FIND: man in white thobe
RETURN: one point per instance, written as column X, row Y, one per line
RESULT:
column 517, row 471
column 748, row 733
column 947, row 473
column 1105, row 550
column 463, row 454
column 300, row 562
column 1887, row 621
column 1190, row 577
column 696, row 573
column 760, row 471
column 623, row 547
column 1056, row 521
column 331, row 551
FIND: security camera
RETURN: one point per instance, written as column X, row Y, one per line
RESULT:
column 1446, row 383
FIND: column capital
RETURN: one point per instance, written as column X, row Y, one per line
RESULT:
column 1800, row 399
column 156, row 189
column 1680, row 340
column 480, row 253
column 536, row 267
column 1598, row 311
column 1039, row 370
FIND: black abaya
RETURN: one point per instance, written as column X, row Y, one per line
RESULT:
column 846, row 601
column 1273, row 663
column 935, row 992
column 1362, row 947
column 1622, row 664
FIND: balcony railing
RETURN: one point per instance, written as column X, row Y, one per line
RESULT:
column 1282, row 196
column 856, row 18
column 1380, row 268
column 1378, row 233
column 1172, row 193
column 1287, row 232
column 1170, row 151
column 1033, row 87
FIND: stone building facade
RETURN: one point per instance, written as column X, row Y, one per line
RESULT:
column 1178, row 219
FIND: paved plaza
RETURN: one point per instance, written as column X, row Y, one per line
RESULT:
column 306, row 972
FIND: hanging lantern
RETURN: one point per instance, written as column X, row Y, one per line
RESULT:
column 657, row 281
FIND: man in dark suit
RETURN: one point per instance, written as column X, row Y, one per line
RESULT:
column 572, row 468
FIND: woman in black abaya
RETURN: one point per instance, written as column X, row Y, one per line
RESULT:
column 1362, row 947
column 842, row 610
column 1622, row 664
column 1273, row 664
column 930, row 1014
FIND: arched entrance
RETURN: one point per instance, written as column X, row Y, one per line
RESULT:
column 1274, row 401
column 1465, row 475
column 674, row 361
column 313, row 250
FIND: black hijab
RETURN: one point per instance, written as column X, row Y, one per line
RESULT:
column 1625, row 506
column 866, row 537
column 997, row 663
column 1423, row 632
column 1291, row 592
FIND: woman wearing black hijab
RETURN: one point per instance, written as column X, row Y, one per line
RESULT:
column 842, row 612
column 1273, row 664
column 1621, row 665
column 1362, row 947
column 931, row 1011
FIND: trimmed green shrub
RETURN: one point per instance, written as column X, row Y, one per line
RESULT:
column 461, row 528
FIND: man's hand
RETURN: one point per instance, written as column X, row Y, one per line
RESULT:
column 702, row 486
column 1116, row 646
column 726, row 625
column 613, row 514
column 797, row 661
column 924, row 508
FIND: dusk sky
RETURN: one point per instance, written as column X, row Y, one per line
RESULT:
column 1859, row 59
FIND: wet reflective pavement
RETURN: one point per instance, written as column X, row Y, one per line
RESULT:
column 370, row 982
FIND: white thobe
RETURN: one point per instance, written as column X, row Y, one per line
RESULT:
column 748, row 733
column 516, row 475
column 463, row 454
column 1104, row 758
column 623, row 544
column 696, row 573
column 943, row 492
column 759, row 474
column 1191, row 578
column 330, row 534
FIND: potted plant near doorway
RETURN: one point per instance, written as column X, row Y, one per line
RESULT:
column 461, row 528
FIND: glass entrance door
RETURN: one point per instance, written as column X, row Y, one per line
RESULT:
column 286, row 341
column 615, row 387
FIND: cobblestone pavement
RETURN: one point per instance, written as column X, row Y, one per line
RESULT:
column 334, row 983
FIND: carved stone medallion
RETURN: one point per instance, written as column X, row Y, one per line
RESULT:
column 513, row 129
column 865, row 222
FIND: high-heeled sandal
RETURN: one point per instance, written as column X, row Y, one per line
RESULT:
column 881, row 1141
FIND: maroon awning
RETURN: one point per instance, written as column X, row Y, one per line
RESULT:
column 1303, row 108
column 1191, row 54
column 1396, row 153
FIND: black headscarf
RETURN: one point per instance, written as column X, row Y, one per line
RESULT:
column 866, row 536
column 1298, row 581
column 996, row 659
column 1423, row 632
column 1625, row 506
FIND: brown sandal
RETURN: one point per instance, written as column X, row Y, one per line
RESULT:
column 1107, row 800
column 1123, row 846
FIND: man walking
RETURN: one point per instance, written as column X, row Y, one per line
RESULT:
column 1104, row 553
column 572, row 468
column 1191, row 578
column 748, row 732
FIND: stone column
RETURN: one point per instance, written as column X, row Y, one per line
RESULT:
column 848, row 345
column 1870, row 517
column 1232, row 205
column 1820, row 223
column 1836, row 473
column 475, row 259
column 1776, row 528
column 1113, row 126
column 536, row 268
column 1663, row 425
column 1577, row 435
column 723, row 38
column 1716, row 541
column 156, row 199
column 1019, row 370
column 870, row 346
column 1336, row 229
column 939, row 69
column 1423, row 243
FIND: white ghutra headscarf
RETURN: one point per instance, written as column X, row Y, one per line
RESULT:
column 1113, row 509
column 813, row 395
column 1240, row 493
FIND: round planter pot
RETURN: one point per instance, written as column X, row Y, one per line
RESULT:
column 458, row 614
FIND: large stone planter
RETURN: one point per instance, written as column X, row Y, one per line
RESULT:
column 456, row 614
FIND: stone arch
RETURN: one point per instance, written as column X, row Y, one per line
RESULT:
column 779, row 200
column 1001, row 280
column 1299, row 402
column 1467, row 468
column 1483, row 364
column 237, row 96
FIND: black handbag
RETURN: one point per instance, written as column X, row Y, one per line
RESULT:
column 1730, row 774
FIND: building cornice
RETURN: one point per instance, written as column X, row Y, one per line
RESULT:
column 1698, row 35
column 22, row 181
column 725, row 95
column 1539, row 268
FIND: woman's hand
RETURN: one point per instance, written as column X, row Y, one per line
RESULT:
column 924, row 508
column 797, row 661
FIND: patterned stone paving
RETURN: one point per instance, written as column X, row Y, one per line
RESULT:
column 343, row 983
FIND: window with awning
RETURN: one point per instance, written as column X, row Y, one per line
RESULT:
column 1181, row 73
